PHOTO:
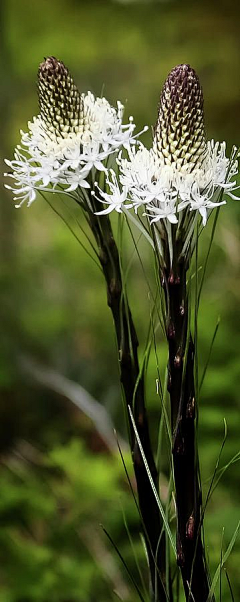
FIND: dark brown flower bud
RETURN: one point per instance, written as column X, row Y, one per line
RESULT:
column 179, row 136
column 61, row 104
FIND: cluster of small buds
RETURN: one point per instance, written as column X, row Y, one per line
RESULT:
column 179, row 136
column 61, row 105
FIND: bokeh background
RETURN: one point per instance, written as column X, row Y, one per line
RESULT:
column 60, row 476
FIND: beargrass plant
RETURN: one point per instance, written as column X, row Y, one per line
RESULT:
column 79, row 146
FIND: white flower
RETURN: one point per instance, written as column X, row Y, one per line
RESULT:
column 74, row 180
column 166, row 190
column 164, row 210
column 199, row 203
column 93, row 156
column 44, row 159
column 30, row 177
column 116, row 198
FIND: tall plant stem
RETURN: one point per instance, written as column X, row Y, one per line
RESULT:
column 134, row 395
column 190, row 550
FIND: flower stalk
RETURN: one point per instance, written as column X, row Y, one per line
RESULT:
column 134, row 396
column 183, row 401
column 180, row 138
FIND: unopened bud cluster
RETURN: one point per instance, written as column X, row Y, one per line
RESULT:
column 61, row 104
column 179, row 136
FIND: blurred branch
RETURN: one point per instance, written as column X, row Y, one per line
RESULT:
column 76, row 394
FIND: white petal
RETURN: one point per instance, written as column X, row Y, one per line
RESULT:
column 84, row 184
column 100, row 166
column 172, row 218
column 105, row 211
column 203, row 213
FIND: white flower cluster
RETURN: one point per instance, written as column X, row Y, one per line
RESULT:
column 165, row 190
column 44, row 161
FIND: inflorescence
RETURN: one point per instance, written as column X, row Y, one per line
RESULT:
column 75, row 136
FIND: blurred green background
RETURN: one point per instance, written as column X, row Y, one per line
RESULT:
column 60, row 478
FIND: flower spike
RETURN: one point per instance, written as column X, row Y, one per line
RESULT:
column 73, row 135
column 61, row 105
column 182, row 172
column 179, row 136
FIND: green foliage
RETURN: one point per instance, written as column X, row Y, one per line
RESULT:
column 51, row 508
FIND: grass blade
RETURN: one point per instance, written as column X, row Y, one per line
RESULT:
column 209, row 354
column 229, row 584
column 224, row 559
column 124, row 564
column 209, row 249
column 152, row 484
column 133, row 551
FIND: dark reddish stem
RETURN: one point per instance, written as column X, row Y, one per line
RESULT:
column 190, row 550
column 134, row 395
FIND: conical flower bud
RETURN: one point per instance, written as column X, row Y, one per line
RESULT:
column 179, row 136
column 61, row 105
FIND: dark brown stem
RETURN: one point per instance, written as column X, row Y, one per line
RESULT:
column 190, row 551
column 134, row 395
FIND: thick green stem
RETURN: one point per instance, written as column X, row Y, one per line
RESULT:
column 134, row 395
